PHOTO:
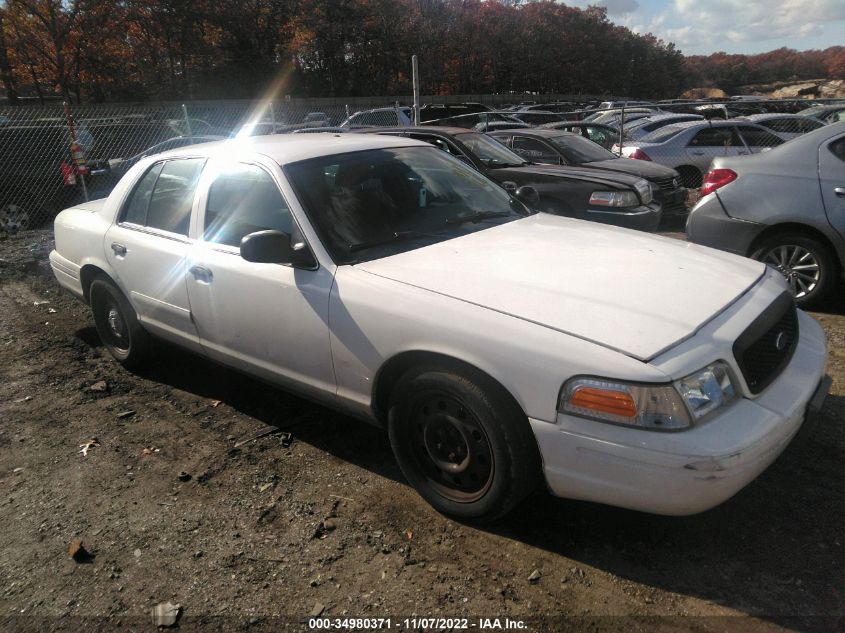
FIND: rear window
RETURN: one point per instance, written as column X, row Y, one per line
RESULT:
column 663, row 134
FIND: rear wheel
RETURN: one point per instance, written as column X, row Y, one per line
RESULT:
column 808, row 266
column 117, row 324
column 462, row 442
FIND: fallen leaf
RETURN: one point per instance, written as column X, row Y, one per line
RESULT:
column 87, row 446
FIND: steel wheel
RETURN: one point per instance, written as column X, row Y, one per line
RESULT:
column 451, row 448
column 799, row 265
column 117, row 324
column 116, row 333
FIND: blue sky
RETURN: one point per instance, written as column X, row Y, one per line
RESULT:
column 700, row 27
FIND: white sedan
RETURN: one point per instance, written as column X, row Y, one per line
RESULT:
column 383, row 277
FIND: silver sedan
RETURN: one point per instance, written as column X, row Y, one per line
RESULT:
column 690, row 147
column 785, row 207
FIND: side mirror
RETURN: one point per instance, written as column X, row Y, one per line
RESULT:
column 274, row 247
column 528, row 195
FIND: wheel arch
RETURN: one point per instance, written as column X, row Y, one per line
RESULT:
column 87, row 274
column 801, row 229
column 392, row 370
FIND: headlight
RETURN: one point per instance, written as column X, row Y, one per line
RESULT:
column 614, row 199
column 644, row 188
column 668, row 407
column 707, row 390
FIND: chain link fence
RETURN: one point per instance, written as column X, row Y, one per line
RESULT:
column 56, row 156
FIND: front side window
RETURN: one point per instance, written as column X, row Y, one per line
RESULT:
column 376, row 203
column 243, row 199
column 163, row 197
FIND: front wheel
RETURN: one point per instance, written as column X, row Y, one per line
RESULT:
column 462, row 442
column 117, row 324
column 808, row 266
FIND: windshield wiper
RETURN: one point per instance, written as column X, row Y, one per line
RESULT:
column 477, row 217
column 398, row 236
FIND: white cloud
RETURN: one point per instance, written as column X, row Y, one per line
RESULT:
column 714, row 24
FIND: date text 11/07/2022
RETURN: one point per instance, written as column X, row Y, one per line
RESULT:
column 417, row 623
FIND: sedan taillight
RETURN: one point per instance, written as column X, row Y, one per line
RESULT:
column 716, row 179
column 637, row 153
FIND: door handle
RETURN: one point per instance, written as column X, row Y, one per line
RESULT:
column 119, row 249
column 201, row 273
column 839, row 191
column 697, row 153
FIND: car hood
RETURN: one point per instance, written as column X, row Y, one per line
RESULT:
column 635, row 293
column 618, row 179
column 641, row 168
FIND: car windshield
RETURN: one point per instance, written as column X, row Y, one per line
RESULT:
column 662, row 134
column 577, row 150
column 376, row 203
column 491, row 153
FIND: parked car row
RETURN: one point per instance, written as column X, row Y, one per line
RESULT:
column 386, row 275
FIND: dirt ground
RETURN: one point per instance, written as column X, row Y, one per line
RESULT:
column 262, row 535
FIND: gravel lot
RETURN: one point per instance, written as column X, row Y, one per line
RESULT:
column 262, row 535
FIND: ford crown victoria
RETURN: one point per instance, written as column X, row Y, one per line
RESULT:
column 499, row 347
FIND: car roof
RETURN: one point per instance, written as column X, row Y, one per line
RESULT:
column 446, row 130
column 773, row 115
column 285, row 148
column 533, row 131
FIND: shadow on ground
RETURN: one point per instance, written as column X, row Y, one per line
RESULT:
column 775, row 548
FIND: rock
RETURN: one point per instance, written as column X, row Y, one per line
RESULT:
column 18, row 471
column 319, row 607
column 166, row 614
column 796, row 90
column 183, row 476
column 123, row 415
column 329, row 524
column 99, row 386
column 77, row 551
column 137, row 553
column 535, row 576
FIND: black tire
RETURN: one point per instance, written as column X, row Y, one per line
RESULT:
column 691, row 177
column 462, row 442
column 812, row 287
column 117, row 324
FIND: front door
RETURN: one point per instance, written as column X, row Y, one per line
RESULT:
column 147, row 248
column 268, row 319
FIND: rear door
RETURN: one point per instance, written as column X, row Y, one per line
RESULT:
column 710, row 142
column 148, row 247
column 832, row 181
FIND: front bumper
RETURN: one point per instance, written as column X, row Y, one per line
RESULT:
column 642, row 218
column 688, row 471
